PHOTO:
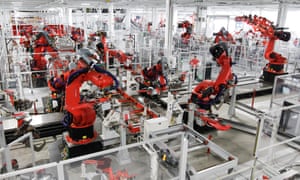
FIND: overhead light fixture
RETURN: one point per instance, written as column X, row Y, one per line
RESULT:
column 85, row 4
column 17, row 3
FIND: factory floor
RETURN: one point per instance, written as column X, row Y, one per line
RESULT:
column 236, row 142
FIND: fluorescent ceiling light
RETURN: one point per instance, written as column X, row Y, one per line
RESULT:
column 85, row 4
column 16, row 3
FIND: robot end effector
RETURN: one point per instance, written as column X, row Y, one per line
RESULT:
column 283, row 35
column 217, row 50
column 86, row 56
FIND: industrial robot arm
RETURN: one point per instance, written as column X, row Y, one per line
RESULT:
column 82, row 114
column 272, row 33
column 205, row 89
column 223, row 36
column 120, row 55
column 209, row 92
column 42, row 45
column 155, row 76
column 103, row 50
column 189, row 30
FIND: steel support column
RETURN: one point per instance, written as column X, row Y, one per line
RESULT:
column 281, row 16
column 183, row 156
column 169, row 27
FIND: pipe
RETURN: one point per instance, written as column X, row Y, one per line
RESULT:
column 77, row 73
column 253, row 98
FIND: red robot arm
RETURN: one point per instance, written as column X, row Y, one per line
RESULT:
column 189, row 30
column 269, row 31
column 120, row 55
column 204, row 89
column 163, row 83
column 225, row 74
column 208, row 92
column 73, row 103
column 151, row 74
column 154, row 78
column 42, row 45
column 202, row 92
column 81, row 115
column 223, row 36
column 154, row 75
column 77, row 34
column 218, row 37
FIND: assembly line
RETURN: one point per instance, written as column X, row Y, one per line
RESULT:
column 128, row 101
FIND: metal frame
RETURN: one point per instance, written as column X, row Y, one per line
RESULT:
column 181, row 131
column 260, row 159
column 5, row 149
column 184, row 166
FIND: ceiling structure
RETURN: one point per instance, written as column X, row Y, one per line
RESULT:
column 45, row 4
